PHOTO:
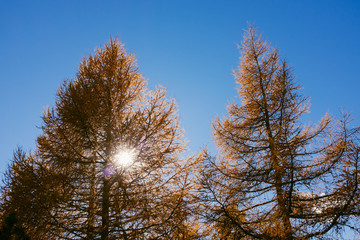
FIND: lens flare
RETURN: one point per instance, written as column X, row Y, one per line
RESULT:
column 125, row 157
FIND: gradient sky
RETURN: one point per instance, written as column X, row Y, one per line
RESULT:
column 190, row 47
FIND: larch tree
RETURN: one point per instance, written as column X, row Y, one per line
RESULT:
column 116, row 148
column 276, row 177
column 31, row 190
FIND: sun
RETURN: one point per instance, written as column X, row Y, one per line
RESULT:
column 125, row 157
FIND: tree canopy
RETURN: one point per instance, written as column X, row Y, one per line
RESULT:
column 276, row 177
column 110, row 162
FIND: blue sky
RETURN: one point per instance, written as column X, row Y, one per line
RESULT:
column 190, row 47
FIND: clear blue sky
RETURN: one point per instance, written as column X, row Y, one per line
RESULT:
column 190, row 47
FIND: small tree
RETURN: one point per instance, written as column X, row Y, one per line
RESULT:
column 276, row 178
column 32, row 189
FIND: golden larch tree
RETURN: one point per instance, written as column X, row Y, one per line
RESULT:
column 275, row 177
column 117, row 148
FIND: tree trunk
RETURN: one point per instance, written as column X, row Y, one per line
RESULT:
column 91, row 208
column 105, row 209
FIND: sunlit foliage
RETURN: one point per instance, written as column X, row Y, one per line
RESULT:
column 109, row 163
column 275, row 177
column 73, row 187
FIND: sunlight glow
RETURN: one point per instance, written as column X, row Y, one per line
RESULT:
column 125, row 157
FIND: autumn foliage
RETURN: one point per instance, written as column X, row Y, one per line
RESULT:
column 276, row 177
column 77, row 187
column 110, row 161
